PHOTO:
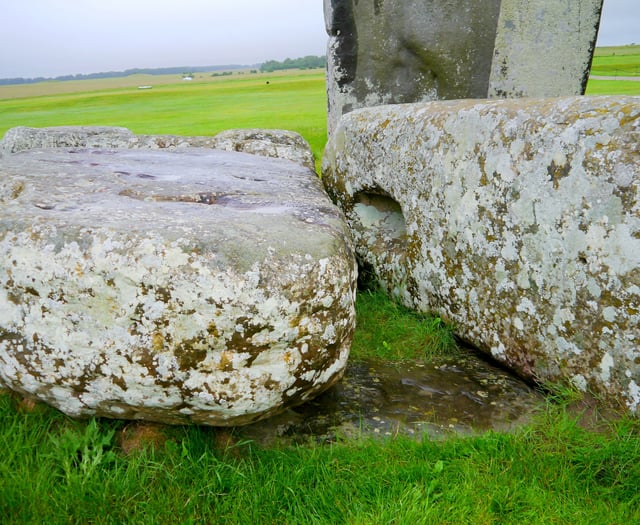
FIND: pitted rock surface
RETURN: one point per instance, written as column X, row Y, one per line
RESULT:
column 187, row 286
column 275, row 143
column 403, row 51
column 516, row 220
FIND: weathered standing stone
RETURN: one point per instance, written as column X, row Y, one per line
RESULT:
column 192, row 286
column 544, row 48
column 273, row 143
column 399, row 51
column 516, row 220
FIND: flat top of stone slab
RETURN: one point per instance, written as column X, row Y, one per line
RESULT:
column 246, row 206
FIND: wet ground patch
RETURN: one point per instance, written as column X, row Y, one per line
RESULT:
column 447, row 396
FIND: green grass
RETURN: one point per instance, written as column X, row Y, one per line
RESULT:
column 295, row 101
column 620, row 61
column 617, row 61
column 56, row 470
column 613, row 87
column 390, row 331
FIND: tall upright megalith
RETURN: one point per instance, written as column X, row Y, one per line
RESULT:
column 399, row 51
column 544, row 47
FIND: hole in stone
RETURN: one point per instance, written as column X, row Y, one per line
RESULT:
column 382, row 215
column 380, row 234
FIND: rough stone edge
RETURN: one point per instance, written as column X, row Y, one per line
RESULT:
column 273, row 143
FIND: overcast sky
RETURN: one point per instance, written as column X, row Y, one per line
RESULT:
column 58, row 37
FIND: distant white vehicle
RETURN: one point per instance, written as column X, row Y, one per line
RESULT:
column 145, row 87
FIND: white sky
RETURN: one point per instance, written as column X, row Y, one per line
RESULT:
column 59, row 37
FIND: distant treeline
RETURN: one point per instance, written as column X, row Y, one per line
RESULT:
column 308, row 62
column 126, row 73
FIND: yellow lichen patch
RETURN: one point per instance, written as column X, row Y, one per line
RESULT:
column 157, row 341
column 226, row 362
column 212, row 330
column 16, row 189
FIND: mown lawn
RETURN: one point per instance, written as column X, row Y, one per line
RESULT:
column 294, row 101
column 620, row 61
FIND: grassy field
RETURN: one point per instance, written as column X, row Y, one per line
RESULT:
column 205, row 106
column 569, row 465
column 613, row 87
column 620, row 61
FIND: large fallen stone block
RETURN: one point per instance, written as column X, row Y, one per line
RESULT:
column 186, row 286
column 516, row 220
column 275, row 143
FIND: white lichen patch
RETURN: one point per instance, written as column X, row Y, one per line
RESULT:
column 522, row 225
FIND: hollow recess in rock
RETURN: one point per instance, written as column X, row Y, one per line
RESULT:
column 380, row 234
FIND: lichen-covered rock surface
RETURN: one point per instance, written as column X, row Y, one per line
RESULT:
column 543, row 48
column 516, row 220
column 187, row 286
column 275, row 143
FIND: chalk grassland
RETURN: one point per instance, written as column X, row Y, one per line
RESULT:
column 618, row 61
column 569, row 465
column 613, row 87
column 613, row 68
column 204, row 106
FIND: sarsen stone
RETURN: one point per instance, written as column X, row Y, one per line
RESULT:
column 187, row 286
column 517, row 220
column 275, row 143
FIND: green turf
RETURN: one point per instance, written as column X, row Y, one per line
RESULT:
column 390, row 331
column 296, row 102
column 613, row 87
column 617, row 61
